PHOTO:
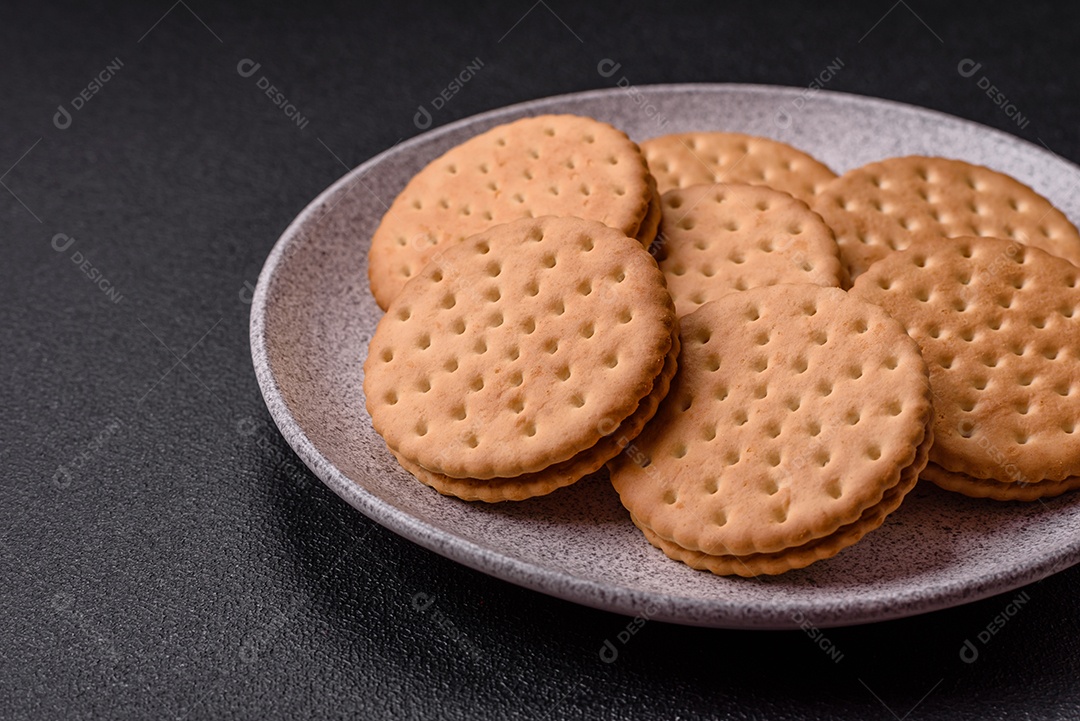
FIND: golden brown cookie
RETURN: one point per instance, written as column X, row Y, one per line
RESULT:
column 771, row 564
column 998, row 324
column 717, row 239
column 562, row 165
column 513, row 350
column 562, row 474
column 795, row 410
column 684, row 159
column 886, row 206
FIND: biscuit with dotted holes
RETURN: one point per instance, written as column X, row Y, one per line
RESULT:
column 716, row 239
column 886, row 206
column 987, row 488
column 684, row 159
column 562, row 474
column 771, row 564
column 547, row 165
column 796, row 408
column 512, row 350
column 998, row 325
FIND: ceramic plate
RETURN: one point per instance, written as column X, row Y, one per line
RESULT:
column 312, row 317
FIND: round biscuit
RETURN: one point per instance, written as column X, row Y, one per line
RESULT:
column 886, row 206
column 531, row 485
column 518, row 348
column 562, row 165
column 771, row 564
column 999, row 326
column 680, row 160
column 717, row 239
column 794, row 410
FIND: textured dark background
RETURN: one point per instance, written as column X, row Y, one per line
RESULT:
column 162, row 552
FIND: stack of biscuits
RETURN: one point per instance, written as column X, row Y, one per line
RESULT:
column 518, row 359
column 765, row 355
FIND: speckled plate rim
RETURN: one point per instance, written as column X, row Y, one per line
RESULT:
column 607, row 596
